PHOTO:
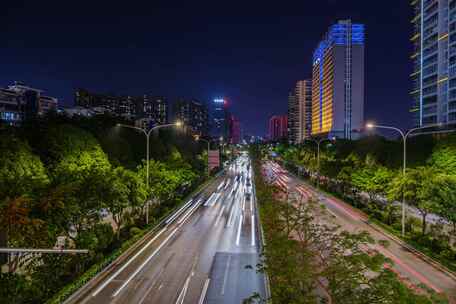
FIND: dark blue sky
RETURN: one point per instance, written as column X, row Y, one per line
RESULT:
column 252, row 52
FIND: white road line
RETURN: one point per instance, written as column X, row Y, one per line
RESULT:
column 220, row 215
column 126, row 264
column 238, row 237
column 253, row 230
column 182, row 294
column 225, row 275
column 150, row 287
column 209, row 199
column 144, row 263
column 179, row 212
column 188, row 214
column 204, row 291
column 221, row 185
column 229, row 222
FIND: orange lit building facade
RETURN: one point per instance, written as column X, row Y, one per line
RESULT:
column 338, row 82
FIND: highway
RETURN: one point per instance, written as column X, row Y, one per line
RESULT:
column 199, row 255
column 410, row 267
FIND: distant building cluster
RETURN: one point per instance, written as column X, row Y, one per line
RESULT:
column 331, row 102
column 19, row 102
column 146, row 109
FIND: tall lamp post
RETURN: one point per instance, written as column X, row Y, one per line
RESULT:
column 405, row 135
column 198, row 138
column 318, row 142
column 147, row 133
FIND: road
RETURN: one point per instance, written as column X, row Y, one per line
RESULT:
column 410, row 267
column 198, row 256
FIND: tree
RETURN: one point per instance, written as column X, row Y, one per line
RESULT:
column 421, row 188
column 372, row 180
column 21, row 172
column 115, row 196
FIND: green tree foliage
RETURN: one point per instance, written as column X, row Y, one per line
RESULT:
column 58, row 176
column 423, row 188
column 21, row 172
column 308, row 261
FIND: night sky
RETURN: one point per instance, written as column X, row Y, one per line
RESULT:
column 251, row 52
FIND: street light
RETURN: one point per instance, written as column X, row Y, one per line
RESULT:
column 198, row 138
column 318, row 142
column 404, row 135
column 147, row 134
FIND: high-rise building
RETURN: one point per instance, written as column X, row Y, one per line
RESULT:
column 235, row 130
column 278, row 127
column 300, row 112
column 156, row 109
column 153, row 109
column 338, row 82
column 293, row 119
column 193, row 114
column 219, row 118
column 434, row 61
column 19, row 102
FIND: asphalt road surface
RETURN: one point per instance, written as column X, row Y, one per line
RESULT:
column 410, row 267
column 201, row 255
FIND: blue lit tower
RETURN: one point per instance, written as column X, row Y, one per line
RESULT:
column 434, row 62
column 338, row 82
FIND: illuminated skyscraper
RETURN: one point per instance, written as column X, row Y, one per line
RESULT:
column 338, row 81
column 300, row 112
column 434, row 61
column 219, row 118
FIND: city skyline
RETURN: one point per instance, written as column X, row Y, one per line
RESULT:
column 135, row 65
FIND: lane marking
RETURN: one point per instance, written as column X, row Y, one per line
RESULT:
column 230, row 218
column 94, row 294
column 253, row 230
column 225, row 275
column 183, row 292
column 144, row 263
column 239, row 231
column 220, row 215
column 152, row 285
column 179, row 212
column 209, row 199
column 204, row 291
column 188, row 215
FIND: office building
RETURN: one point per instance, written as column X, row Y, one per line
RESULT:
column 293, row 119
column 434, row 62
column 193, row 114
column 278, row 127
column 234, row 130
column 219, row 116
column 338, row 82
column 300, row 112
column 19, row 102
